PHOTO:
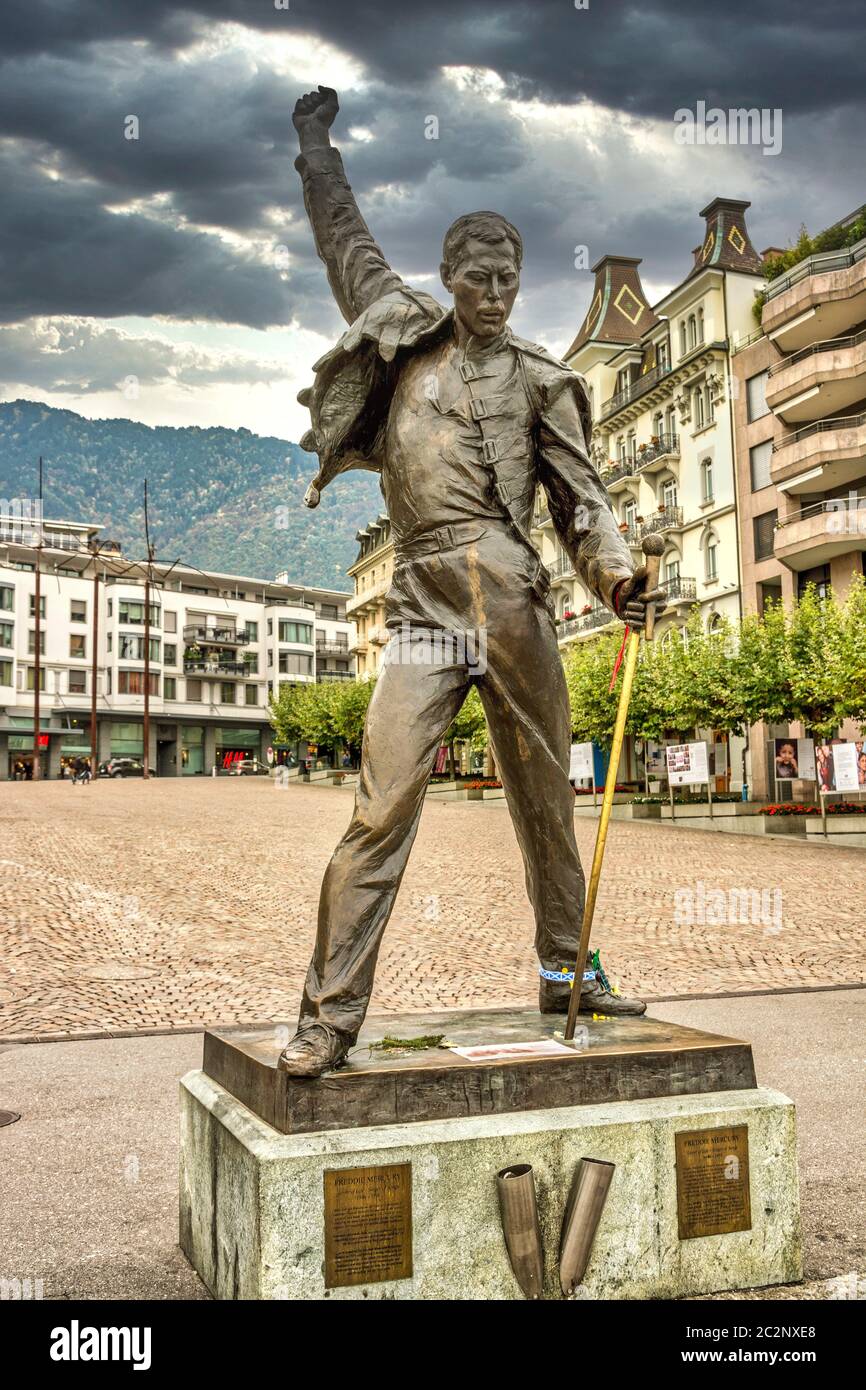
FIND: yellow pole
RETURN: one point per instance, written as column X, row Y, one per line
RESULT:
column 629, row 668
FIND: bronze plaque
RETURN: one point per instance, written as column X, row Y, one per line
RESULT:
column 713, row 1181
column 368, row 1224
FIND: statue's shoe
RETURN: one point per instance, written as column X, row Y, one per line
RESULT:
column 314, row 1049
column 596, row 996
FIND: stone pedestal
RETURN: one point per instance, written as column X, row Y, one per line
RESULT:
column 268, row 1159
column 253, row 1205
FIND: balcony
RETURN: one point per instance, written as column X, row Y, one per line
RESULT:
column 540, row 516
column 325, row 648
column 826, row 453
column 378, row 636
column 820, row 298
column 637, row 388
column 358, row 647
column 666, row 519
column 561, row 569
column 680, row 590
column 819, row 380
column 617, row 476
column 329, row 677
column 656, row 457
column 368, row 597
column 820, row 533
column 590, row 622
column 216, row 667
column 222, row 636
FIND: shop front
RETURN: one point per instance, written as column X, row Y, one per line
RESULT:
column 192, row 750
column 235, row 746
column 21, row 758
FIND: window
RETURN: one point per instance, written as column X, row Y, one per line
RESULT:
column 170, row 653
column 672, row 569
column 683, row 345
column 328, row 610
column 76, row 681
column 251, row 695
column 709, row 408
column 671, row 422
column 629, row 514
column 6, row 634
column 700, row 325
column 759, row 464
column 662, row 355
column 132, row 613
column 5, row 672
column 669, row 493
column 252, row 632
column 706, row 480
column 77, row 641
column 620, row 445
column 227, row 693
column 820, row 577
column 169, row 688
column 632, row 446
column 712, row 559
column 693, row 331
column 296, row 664
column 41, row 605
column 270, row 627
column 658, row 424
column 77, row 610
column 132, row 683
column 193, row 690
column 31, row 642
column 7, row 598
column 764, row 528
column 31, row 678
column 131, row 647
column 756, row 402
column 108, row 642
column 698, row 409
column 169, row 622
column 270, row 658
column 251, row 663
column 291, row 631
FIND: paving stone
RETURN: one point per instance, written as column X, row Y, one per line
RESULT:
column 127, row 906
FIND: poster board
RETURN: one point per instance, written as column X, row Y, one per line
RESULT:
column 581, row 762
column 687, row 764
column 794, row 760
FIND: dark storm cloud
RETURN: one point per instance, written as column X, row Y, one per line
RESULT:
column 633, row 55
column 71, row 256
column 216, row 143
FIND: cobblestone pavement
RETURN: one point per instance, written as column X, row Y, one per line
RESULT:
column 128, row 906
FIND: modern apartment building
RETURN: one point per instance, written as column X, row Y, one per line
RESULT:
column 663, row 439
column 371, row 574
column 800, row 419
column 219, row 644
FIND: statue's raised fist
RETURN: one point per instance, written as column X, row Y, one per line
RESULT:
column 316, row 108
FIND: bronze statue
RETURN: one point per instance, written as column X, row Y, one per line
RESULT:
column 462, row 420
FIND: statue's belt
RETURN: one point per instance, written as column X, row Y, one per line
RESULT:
column 462, row 533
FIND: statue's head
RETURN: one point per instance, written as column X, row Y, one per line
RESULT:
column 481, row 261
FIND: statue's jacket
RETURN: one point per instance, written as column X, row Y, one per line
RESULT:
column 350, row 398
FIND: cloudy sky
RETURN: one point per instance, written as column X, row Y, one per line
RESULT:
column 172, row 279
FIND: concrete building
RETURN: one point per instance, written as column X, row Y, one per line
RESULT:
column 800, row 419
column 371, row 574
column 219, row 644
column 663, row 438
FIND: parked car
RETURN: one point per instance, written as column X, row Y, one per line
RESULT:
column 249, row 767
column 121, row 767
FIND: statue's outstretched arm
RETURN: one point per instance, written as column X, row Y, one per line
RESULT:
column 357, row 271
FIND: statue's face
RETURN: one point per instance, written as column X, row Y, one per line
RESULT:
column 484, row 283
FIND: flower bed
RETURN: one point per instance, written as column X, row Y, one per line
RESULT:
column 834, row 808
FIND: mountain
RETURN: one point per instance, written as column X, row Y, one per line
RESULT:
column 221, row 499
